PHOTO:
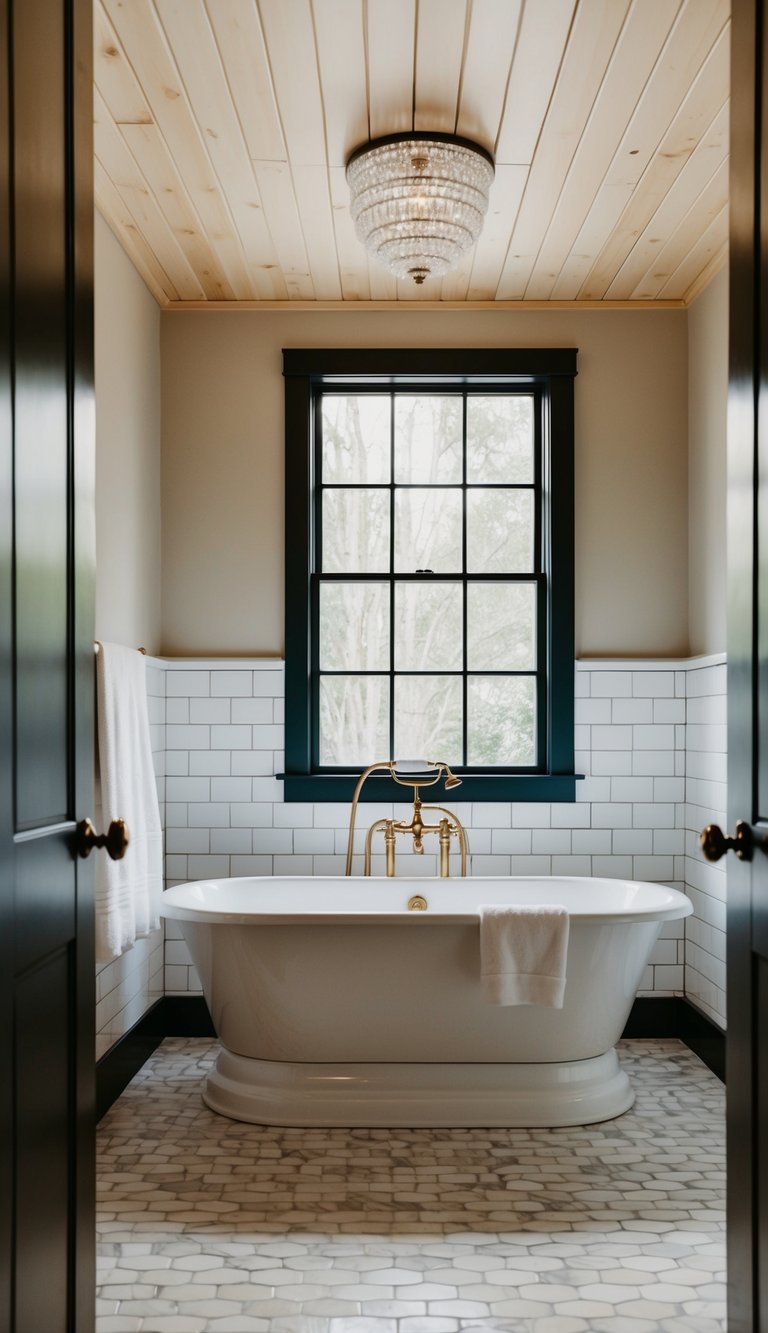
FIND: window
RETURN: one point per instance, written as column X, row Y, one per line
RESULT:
column 429, row 568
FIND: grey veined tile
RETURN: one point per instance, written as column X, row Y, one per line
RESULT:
column 211, row 1226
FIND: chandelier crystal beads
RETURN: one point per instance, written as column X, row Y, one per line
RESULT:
column 418, row 200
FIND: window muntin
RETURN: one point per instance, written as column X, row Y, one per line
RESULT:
column 428, row 575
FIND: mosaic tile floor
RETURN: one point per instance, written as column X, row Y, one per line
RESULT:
column 210, row 1226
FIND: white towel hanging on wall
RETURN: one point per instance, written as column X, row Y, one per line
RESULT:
column 128, row 891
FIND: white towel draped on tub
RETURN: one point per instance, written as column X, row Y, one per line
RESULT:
column 128, row 891
column 522, row 952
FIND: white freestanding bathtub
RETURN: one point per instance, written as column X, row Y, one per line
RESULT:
column 335, row 1005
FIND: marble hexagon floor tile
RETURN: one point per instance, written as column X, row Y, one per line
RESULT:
column 207, row 1225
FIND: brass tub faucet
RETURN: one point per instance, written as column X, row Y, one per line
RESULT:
column 414, row 774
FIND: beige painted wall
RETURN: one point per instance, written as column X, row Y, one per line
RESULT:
column 127, row 334
column 222, row 412
column 707, row 405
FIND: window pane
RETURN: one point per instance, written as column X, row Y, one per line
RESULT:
column 428, row 627
column 499, row 438
column 428, row 718
column 501, row 626
column 354, row 720
column 428, row 439
column 499, row 532
column 356, row 437
column 428, row 531
column 501, row 721
column 354, row 627
column 355, row 532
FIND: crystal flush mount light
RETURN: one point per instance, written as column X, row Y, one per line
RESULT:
column 418, row 200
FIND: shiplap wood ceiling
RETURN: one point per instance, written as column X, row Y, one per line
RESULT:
column 222, row 128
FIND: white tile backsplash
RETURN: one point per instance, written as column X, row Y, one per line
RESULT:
column 705, row 803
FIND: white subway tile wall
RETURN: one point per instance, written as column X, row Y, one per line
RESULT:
column 226, row 815
column 129, row 986
column 650, row 742
column 705, row 803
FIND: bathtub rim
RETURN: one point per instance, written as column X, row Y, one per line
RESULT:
column 679, row 907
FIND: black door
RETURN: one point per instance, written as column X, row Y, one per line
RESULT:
column 748, row 680
column 46, row 668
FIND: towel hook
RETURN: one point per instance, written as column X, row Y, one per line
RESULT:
column 97, row 648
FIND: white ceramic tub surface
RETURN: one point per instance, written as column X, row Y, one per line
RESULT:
column 336, row 1005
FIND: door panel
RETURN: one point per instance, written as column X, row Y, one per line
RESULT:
column 41, row 427
column 47, row 1242
column 747, row 1071
column 45, row 1146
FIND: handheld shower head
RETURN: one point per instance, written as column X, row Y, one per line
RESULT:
column 418, row 773
column 415, row 772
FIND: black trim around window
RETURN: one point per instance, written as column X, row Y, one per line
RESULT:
column 548, row 373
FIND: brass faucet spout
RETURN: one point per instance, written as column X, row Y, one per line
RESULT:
column 446, row 828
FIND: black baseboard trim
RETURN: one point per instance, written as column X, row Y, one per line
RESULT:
column 188, row 1016
column 170, row 1016
column 672, row 1016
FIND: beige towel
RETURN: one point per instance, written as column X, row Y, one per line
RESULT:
column 127, row 892
column 523, row 952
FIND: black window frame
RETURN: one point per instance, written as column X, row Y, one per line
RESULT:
column 548, row 373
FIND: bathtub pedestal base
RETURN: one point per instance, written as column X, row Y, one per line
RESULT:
column 270, row 1092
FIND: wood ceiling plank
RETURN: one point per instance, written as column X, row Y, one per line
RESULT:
column 237, row 29
column 279, row 199
column 596, row 228
column 353, row 258
column 455, row 283
column 636, row 53
column 696, row 30
column 591, row 44
column 710, row 270
column 707, row 251
column 707, row 94
column 493, row 243
column 313, row 200
column 429, row 291
column 542, row 37
column 440, row 29
column 119, row 218
column 708, row 156
column 490, row 45
column 144, row 42
column 197, row 57
column 699, row 25
column 683, row 241
column 290, row 39
column 113, row 75
column 391, row 45
column 123, row 170
column 340, row 37
column 383, row 284
column 149, row 150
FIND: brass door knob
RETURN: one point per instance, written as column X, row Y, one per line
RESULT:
column 115, row 840
column 715, row 843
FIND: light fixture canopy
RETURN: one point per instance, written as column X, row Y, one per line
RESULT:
column 418, row 200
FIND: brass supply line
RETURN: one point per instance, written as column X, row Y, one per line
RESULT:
column 447, row 827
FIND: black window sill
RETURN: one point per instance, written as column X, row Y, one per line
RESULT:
column 318, row 787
